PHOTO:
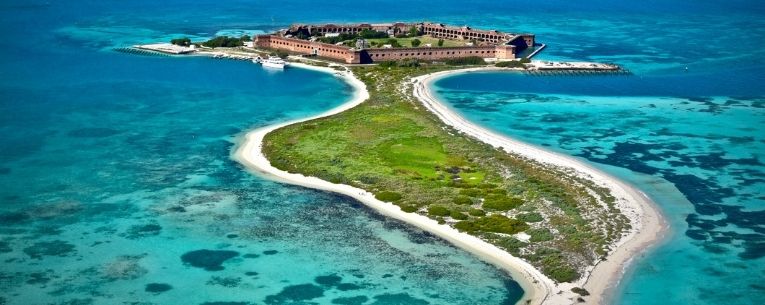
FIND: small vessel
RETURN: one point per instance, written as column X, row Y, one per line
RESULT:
column 273, row 62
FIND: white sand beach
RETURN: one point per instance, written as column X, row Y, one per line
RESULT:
column 539, row 289
column 648, row 226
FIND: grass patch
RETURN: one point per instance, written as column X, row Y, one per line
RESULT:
column 393, row 147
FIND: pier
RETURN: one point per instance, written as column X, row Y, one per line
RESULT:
column 167, row 48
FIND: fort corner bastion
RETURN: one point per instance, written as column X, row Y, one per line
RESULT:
column 356, row 49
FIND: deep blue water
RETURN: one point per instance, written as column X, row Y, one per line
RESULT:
column 117, row 183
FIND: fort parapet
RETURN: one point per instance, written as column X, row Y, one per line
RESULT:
column 483, row 43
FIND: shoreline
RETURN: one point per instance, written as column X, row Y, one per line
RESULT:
column 648, row 225
column 249, row 154
column 600, row 280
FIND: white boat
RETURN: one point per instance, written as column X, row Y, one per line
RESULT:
column 273, row 62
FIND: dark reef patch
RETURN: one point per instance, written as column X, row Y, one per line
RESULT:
column 295, row 293
column 157, row 287
column 224, row 303
column 140, row 231
column 228, row 282
column 209, row 260
column 270, row 252
column 357, row 300
column 5, row 170
column 5, row 247
column 49, row 248
column 348, row 287
column 328, row 280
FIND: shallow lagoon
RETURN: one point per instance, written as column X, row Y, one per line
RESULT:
column 105, row 156
column 699, row 156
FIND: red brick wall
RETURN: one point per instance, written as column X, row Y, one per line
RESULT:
column 300, row 46
column 429, row 53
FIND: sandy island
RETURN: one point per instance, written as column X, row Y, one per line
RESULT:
column 647, row 223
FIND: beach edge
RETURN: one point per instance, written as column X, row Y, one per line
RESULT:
column 649, row 227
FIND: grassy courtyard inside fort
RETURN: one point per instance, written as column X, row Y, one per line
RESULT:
column 393, row 147
column 425, row 39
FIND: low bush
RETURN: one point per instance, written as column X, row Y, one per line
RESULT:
column 492, row 223
column 388, row 196
column 530, row 217
column 501, row 202
column 185, row 41
column 470, row 192
column 580, row 291
column 542, row 234
column 438, row 211
column 510, row 64
column 458, row 215
column 463, row 200
column 409, row 208
column 477, row 212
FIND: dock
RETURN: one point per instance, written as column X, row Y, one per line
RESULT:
column 167, row 48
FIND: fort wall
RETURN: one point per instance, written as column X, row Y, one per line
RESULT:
column 491, row 43
column 341, row 53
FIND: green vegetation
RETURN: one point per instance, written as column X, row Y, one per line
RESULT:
column 184, row 42
column 415, row 42
column 541, row 234
column 462, row 61
column 369, row 34
column 492, row 223
column 476, row 212
column 407, row 41
column 226, row 42
column 413, row 31
column 404, row 63
column 501, row 202
column 513, row 63
column 580, row 291
column 388, row 196
column 530, row 217
column 390, row 144
column 436, row 210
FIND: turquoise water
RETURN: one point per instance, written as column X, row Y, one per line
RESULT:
column 117, row 185
column 694, row 142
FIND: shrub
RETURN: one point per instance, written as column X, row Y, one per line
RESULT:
column 438, row 211
column 462, row 61
column 492, row 223
column 580, row 291
column 530, row 217
column 510, row 64
column 501, row 202
column 477, row 212
column 541, row 234
column 223, row 41
column 185, row 41
column 458, row 215
column 409, row 208
column 393, row 42
column 416, row 42
column 388, row 196
column 470, row 192
column 369, row 34
column 440, row 42
column 463, row 200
